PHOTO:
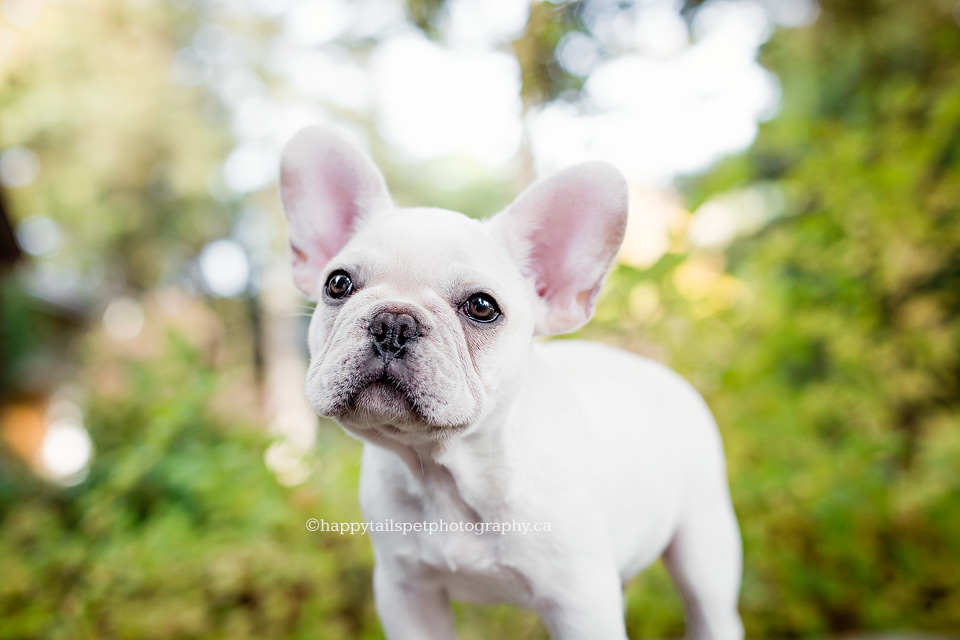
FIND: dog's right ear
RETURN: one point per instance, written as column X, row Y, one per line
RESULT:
column 328, row 188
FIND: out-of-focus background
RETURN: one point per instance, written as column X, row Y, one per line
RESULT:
column 793, row 249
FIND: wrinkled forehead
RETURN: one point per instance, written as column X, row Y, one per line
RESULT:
column 420, row 247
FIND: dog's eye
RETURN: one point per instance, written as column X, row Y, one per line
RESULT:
column 339, row 284
column 481, row 307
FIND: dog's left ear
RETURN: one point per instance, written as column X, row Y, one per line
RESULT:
column 564, row 232
column 328, row 187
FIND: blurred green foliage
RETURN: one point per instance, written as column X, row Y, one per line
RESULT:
column 126, row 154
column 179, row 531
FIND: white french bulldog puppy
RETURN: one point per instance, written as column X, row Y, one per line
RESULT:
column 423, row 344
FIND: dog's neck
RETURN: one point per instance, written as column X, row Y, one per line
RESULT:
column 472, row 473
column 469, row 474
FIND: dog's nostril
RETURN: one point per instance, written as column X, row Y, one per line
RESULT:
column 392, row 331
column 377, row 328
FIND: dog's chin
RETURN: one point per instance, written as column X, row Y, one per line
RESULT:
column 383, row 401
column 383, row 409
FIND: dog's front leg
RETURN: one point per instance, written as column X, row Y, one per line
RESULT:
column 587, row 607
column 412, row 609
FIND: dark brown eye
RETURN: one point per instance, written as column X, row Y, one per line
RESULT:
column 339, row 284
column 482, row 308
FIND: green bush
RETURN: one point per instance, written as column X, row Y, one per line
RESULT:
column 179, row 531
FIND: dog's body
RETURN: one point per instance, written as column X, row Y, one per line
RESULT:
column 422, row 345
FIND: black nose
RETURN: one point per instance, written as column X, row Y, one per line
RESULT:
column 392, row 332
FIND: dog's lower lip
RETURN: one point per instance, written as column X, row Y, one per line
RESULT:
column 388, row 384
column 387, row 380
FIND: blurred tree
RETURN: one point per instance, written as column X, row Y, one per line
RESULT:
column 131, row 199
column 9, row 250
column 125, row 139
column 543, row 77
column 9, row 253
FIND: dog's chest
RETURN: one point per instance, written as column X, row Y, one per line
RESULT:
column 459, row 539
column 474, row 566
column 463, row 545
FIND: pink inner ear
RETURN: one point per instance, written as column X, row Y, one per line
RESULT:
column 552, row 258
column 572, row 244
column 334, row 210
column 342, row 190
column 570, row 226
column 327, row 186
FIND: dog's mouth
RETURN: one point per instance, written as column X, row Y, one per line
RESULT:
column 384, row 387
column 385, row 399
column 373, row 398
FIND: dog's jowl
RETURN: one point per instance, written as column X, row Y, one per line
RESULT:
column 544, row 473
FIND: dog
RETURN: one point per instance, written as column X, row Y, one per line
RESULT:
column 423, row 344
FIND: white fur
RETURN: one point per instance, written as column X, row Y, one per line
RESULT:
column 616, row 453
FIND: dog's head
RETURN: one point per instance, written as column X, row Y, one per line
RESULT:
column 425, row 317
